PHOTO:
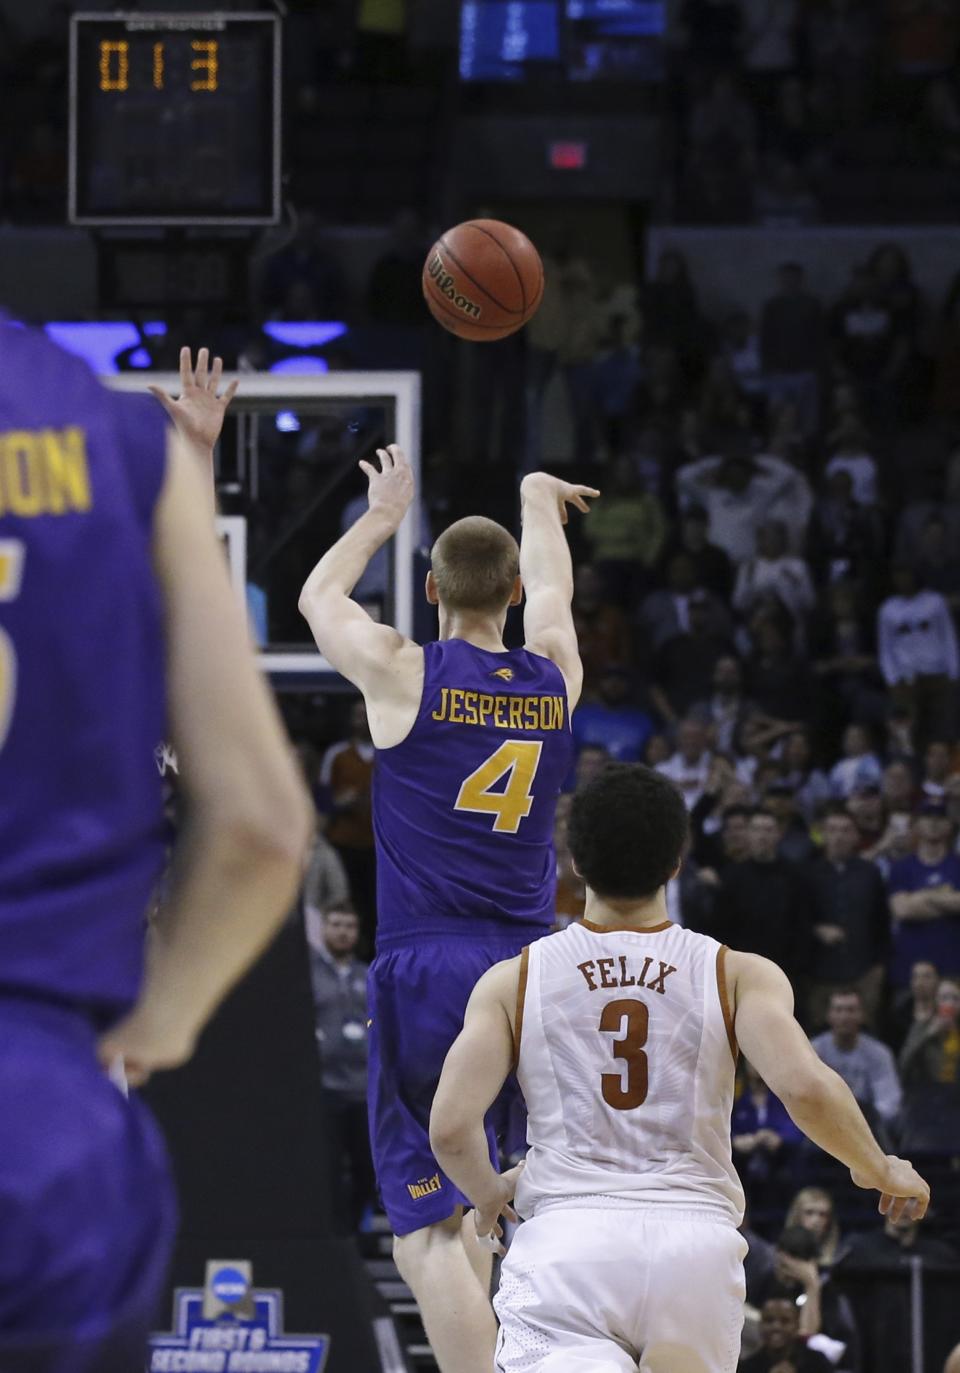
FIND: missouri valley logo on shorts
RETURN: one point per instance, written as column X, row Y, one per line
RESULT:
column 425, row 1187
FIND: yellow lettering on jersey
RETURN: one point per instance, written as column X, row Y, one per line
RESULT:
column 470, row 708
column 516, row 712
column 456, row 701
column 531, row 713
column 499, row 709
column 441, row 714
column 486, row 707
column 44, row 472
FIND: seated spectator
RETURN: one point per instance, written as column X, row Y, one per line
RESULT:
column 603, row 633
column 843, row 538
column 591, row 760
column 918, row 653
column 325, row 886
column 810, row 784
column 394, row 294
column 937, row 770
column 612, row 721
column 721, row 833
column 763, row 905
column 827, row 1321
column 685, row 664
column 866, row 806
column 897, row 1240
column 868, row 338
column 773, row 569
column 782, row 1345
column 689, row 766
column 738, row 493
column 765, row 1142
column 850, row 455
column 852, row 923
column 866, row 1065
column 780, row 798
column 813, row 1209
column 925, row 899
column 571, row 892
column 347, row 773
column 898, row 786
column 627, row 535
column 777, row 679
column 930, row 1069
column 666, row 613
column 712, row 568
column 859, row 765
column 658, row 750
column 913, row 1005
column 726, row 708
column 340, row 997
column 935, row 561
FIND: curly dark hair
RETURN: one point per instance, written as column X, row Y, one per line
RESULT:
column 628, row 829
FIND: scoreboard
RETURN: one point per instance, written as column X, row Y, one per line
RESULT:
column 174, row 119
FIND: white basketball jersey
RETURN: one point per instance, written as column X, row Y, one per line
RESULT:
column 626, row 1061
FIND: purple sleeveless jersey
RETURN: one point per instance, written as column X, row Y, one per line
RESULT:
column 463, row 808
column 82, row 696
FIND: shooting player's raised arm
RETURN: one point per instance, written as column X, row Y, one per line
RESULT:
column 546, row 571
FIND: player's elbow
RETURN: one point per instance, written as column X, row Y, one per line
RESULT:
column 272, row 824
column 806, row 1092
column 449, row 1129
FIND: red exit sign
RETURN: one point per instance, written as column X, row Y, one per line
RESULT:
column 567, row 157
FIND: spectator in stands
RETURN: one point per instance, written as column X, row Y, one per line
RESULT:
column 667, row 612
column 591, row 759
column 571, row 892
column 782, row 1346
column 898, row 786
column 617, row 372
column 738, row 492
column 602, row 630
column 765, row 1142
column 777, row 678
column 712, row 568
column 791, row 341
column 721, row 830
column 844, row 538
column 914, row 1005
column 813, row 1209
column 865, row 804
column 394, row 294
column 866, row 1065
column 325, row 886
column 740, row 348
column 810, row 784
column 937, row 770
column 925, row 899
column 689, row 766
column 671, row 311
column 658, row 750
column 685, row 665
column 628, row 534
column 726, row 708
column 780, row 798
column 871, row 339
column 305, row 263
column 348, row 774
column 850, row 442
column 763, row 905
column 898, row 1240
column 723, row 405
column 848, row 684
column 852, row 923
column 860, row 766
column 935, row 561
column 827, row 1321
column 613, row 722
column 919, row 658
column 340, row 997
column 930, row 1069
column 773, row 569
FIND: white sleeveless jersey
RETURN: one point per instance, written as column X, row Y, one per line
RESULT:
column 626, row 1061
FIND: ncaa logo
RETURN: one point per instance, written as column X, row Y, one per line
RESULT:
column 229, row 1286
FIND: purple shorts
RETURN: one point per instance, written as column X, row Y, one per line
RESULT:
column 417, row 995
column 87, row 1211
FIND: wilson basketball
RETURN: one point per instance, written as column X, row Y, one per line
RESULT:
column 483, row 280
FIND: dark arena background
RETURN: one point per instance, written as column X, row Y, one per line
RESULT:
column 750, row 342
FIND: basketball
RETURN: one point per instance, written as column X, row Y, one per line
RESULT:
column 483, row 280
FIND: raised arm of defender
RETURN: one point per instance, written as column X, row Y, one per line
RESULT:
column 546, row 571
column 818, row 1100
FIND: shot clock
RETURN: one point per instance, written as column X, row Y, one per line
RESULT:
column 174, row 119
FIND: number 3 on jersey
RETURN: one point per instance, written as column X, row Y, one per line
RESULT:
column 626, row 1097
column 11, row 571
column 517, row 760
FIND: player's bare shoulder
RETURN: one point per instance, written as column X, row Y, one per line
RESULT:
column 394, row 694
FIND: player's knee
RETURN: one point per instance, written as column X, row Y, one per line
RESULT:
column 414, row 1252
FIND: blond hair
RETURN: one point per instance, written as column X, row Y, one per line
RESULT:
column 831, row 1240
column 475, row 564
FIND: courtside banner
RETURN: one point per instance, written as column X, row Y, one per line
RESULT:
column 229, row 1326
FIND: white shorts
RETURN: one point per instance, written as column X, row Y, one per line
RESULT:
column 608, row 1290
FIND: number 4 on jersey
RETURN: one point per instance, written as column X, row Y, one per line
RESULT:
column 517, row 760
column 11, row 571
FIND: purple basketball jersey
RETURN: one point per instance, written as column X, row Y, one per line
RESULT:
column 82, row 696
column 463, row 808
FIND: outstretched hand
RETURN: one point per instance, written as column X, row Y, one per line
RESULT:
column 390, row 489
column 198, row 411
column 903, row 1192
column 562, row 492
